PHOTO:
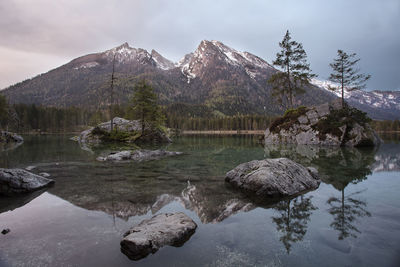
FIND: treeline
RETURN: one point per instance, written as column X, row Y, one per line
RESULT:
column 24, row 118
column 32, row 118
column 239, row 122
column 386, row 126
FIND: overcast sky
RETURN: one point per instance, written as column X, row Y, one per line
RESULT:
column 39, row 35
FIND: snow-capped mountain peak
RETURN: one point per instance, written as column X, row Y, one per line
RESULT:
column 215, row 52
column 124, row 53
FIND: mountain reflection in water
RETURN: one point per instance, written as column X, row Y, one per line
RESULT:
column 195, row 182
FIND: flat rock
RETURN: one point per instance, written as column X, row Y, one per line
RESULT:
column 138, row 155
column 172, row 229
column 14, row 181
column 273, row 177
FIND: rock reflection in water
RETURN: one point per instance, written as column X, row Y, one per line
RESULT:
column 124, row 196
column 9, row 203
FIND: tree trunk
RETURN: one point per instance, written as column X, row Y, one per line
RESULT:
column 112, row 96
column 342, row 83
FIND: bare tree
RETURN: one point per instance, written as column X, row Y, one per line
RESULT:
column 112, row 95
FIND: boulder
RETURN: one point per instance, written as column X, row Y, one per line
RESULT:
column 138, row 155
column 130, row 128
column 273, row 177
column 14, row 181
column 8, row 137
column 172, row 229
column 327, row 124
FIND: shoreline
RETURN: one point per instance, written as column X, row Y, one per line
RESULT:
column 223, row 132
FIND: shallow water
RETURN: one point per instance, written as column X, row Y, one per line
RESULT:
column 352, row 219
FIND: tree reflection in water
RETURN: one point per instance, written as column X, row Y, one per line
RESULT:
column 338, row 167
column 345, row 211
column 294, row 217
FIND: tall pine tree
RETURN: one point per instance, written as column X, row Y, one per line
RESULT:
column 346, row 74
column 295, row 71
column 145, row 107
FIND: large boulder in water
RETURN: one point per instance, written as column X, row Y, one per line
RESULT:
column 172, row 229
column 14, row 181
column 273, row 177
column 128, row 131
column 327, row 124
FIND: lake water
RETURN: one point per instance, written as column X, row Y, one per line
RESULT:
column 352, row 219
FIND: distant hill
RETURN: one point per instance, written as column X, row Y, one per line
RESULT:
column 214, row 77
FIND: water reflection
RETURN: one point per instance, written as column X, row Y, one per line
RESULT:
column 338, row 167
column 345, row 211
column 9, row 146
column 293, row 218
column 196, row 180
column 9, row 203
column 387, row 158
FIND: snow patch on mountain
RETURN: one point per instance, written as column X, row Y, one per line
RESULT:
column 161, row 61
column 87, row 65
column 184, row 65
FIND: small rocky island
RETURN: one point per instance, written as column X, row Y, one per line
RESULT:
column 327, row 124
column 172, row 229
column 280, row 177
column 128, row 131
column 17, row 181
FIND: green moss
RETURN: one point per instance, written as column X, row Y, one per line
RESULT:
column 288, row 119
column 337, row 118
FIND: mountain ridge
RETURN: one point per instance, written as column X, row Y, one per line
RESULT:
column 215, row 75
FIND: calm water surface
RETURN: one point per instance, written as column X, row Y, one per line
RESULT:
column 352, row 219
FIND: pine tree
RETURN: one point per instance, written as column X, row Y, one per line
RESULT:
column 145, row 107
column 346, row 74
column 295, row 71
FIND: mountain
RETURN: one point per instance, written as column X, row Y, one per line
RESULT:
column 214, row 77
column 378, row 104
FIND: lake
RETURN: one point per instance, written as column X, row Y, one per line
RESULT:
column 352, row 219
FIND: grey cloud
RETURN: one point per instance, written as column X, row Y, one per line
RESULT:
column 71, row 28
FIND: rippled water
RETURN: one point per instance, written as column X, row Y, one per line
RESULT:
column 352, row 219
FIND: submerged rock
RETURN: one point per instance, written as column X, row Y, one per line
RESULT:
column 138, row 155
column 8, row 137
column 172, row 229
column 14, row 181
column 128, row 131
column 327, row 124
column 273, row 177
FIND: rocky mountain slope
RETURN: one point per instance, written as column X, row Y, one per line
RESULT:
column 222, row 79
